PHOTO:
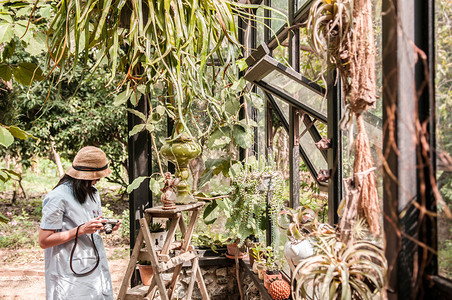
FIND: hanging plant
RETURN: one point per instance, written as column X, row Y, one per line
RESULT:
column 341, row 34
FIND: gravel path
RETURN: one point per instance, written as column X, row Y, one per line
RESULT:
column 22, row 272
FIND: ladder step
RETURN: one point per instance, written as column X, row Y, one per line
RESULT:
column 177, row 260
column 144, row 255
column 137, row 293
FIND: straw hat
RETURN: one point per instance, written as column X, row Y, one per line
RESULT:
column 90, row 163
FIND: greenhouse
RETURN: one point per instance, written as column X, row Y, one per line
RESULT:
column 259, row 149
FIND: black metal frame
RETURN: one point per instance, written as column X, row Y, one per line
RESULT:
column 401, row 26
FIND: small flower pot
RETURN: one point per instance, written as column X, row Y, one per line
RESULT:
column 261, row 270
column 255, row 270
column 271, row 276
column 232, row 249
column 146, row 273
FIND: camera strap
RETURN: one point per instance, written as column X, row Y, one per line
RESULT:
column 73, row 249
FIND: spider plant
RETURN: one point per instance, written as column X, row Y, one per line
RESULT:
column 190, row 47
column 338, row 271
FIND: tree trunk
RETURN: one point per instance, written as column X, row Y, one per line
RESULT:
column 56, row 157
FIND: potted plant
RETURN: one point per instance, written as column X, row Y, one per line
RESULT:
column 273, row 266
column 337, row 270
column 146, row 271
column 158, row 235
column 235, row 249
column 257, row 252
column 246, row 207
column 302, row 222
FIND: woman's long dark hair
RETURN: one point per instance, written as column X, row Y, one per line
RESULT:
column 81, row 188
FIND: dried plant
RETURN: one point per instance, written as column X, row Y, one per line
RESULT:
column 339, row 271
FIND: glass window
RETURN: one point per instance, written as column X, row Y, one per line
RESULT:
column 314, row 154
column 277, row 21
column 297, row 91
column 444, row 132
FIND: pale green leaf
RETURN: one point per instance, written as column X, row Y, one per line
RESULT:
column 154, row 186
column 6, row 32
column 137, row 113
column 122, row 97
column 6, row 17
column 242, row 64
column 6, row 138
column 136, row 129
column 19, row 133
column 136, row 183
column 135, row 97
column 220, row 137
column 150, row 127
column 242, row 136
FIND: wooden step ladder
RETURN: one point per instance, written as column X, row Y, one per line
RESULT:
column 161, row 260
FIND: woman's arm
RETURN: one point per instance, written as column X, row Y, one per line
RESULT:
column 50, row 238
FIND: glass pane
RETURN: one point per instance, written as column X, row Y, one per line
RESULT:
column 297, row 91
column 260, row 27
column 300, row 3
column 283, row 106
column 261, row 125
column 444, row 131
column 310, row 65
column 314, row 154
column 277, row 21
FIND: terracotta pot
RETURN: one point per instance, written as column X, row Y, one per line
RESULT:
column 146, row 273
column 232, row 249
column 269, row 278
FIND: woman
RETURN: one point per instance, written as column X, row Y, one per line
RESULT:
column 75, row 261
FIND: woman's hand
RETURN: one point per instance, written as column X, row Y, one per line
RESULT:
column 117, row 226
column 91, row 226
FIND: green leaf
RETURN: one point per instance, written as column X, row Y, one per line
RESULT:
column 160, row 109
column 206, row 176
column 209, row 208
column 3, row 219
column 122, row 97
column 135, row 97
column 154, row 186
column 37, row 44
column 255, row 101
column 6, row 17
column 220, row 137
column 6, row 32
column 24, row 73
column 137, row 113
column 150, row 127
column 232, row 105
column 6, row 138
column 5, row 72
column 8, row 50
column 241, row 63
column 136, row 183
column 238, row 85
column 19, row 133
column 136, row 129
column 242, row 136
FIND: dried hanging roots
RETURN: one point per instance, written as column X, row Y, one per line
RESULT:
column 344, row 30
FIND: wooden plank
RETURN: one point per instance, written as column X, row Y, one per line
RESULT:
column 171, row 231
column 177, row 260
column 137, row 293
column 190, row 228
column 158, row 211
column 191, row 285
column 183, row 228
column 172, row 284
column 154, row 262
column 201, row 283
column 152, row 289
column 131, row 266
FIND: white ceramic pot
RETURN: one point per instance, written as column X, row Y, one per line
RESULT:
column 295, row 252
column 159, row 239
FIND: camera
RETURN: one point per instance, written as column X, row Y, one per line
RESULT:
column 109, row 224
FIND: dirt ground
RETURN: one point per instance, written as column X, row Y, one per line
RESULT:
column 22, row 272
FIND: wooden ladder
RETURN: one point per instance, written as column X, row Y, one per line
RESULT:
column 161, row 260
